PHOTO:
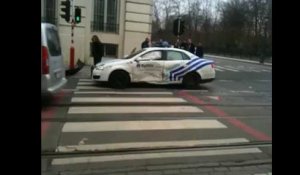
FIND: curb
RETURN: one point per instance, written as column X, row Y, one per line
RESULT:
column 241, row 60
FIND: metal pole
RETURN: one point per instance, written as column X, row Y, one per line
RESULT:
column 72, row 49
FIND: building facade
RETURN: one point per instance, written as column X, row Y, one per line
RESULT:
column 121, row 25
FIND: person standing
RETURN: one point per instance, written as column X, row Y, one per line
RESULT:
column 190, row 46
column 145, row 44
column 199, row 50
column 97, row 49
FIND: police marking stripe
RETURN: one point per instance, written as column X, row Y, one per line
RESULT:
column 186, row 69
column 195, row 68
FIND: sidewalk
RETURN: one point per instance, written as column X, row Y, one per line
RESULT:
column 236, row 59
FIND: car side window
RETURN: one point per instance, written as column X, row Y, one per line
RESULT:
column 53, row 42
column 174, row 55
column 153, row 55
column 185, row 57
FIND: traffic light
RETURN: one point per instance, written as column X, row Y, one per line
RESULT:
column 66, row 9
column 178, row 27
column 77, row 15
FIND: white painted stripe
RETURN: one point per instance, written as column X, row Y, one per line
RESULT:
column 87, row 83
column 114, row 146
column 124, row 93
column 219, row 70
column 226, row 80
column 140, row 125
column 128, row 99
column 90, row 87
column 227, row 68
column 234, row 70
column 243, row 91
column 264, row 80
column 86, row 80
column 266, row 70
column 124, row 157
column 254, row 70
column 133, row 109
column 200, row 90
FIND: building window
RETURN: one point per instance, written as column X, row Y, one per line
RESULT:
column 110, row 50
column 105, row 16
column 49, row 15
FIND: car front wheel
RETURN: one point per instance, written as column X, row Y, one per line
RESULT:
column 191, row 81
column 119, row 79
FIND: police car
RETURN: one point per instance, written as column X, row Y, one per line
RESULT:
column 157, row 66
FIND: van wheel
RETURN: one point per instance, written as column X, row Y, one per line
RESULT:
column 191, row 81
column 119, row 79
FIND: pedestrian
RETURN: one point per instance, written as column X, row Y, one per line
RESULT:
column 177, row 44
column 190, row 46
column 97, row 51
column 145, row 44
column 199, row 50
column 183, row 45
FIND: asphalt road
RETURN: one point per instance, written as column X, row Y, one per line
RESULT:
column 91, row 126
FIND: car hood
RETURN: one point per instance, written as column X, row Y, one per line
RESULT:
column 110, row 62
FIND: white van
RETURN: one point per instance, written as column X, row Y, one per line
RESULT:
column 52, row 65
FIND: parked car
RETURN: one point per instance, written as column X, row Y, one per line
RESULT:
column 52, row 65
column 157, row 66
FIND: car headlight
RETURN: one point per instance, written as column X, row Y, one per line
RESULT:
column 100, row 67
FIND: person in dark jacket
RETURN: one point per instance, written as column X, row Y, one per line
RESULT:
column 145, row 43
column 199, row 50
column 190, row 46
column 97, row 49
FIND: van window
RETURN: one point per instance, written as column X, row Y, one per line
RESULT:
column 53, row 42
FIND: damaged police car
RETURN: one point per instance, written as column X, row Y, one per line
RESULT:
column 157, row 66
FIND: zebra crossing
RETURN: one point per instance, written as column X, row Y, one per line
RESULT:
column 241, row 69
column 135, row 132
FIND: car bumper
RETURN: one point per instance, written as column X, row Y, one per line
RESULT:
column 49, row 88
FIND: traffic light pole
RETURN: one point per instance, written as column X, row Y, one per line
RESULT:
column 178, row 30
column 72, row 49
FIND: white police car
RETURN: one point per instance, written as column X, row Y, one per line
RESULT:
column 157, row 66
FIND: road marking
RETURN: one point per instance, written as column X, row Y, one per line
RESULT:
column 243, row 91
column 219, row 70
column 234, row 70
column 124, row 157
column 140, row 125
column 214, row 97
column 124, row 93
column 90, row 87
column 86, row 80
column 235, row 122
column 226, row 80
column 255, row 71
column 128, row 99
column 133, row 109
column 199, row 90
column 87, row 83
column 264, row 80
column 114, row 146
column 264, row 70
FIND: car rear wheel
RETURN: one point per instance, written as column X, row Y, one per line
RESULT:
column 119, row 79
column 191, row 81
